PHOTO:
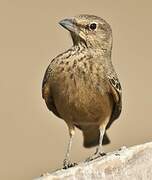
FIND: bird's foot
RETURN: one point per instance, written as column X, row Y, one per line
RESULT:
column 67, row 164
column 95, row 156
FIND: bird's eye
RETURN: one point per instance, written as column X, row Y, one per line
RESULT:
column 93, row 26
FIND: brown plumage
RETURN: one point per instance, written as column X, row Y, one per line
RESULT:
column 81, row 86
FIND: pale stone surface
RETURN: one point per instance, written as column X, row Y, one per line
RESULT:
column 134, row 163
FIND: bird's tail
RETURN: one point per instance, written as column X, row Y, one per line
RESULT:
column 91, row 137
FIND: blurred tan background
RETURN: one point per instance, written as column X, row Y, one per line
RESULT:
column 32, row 140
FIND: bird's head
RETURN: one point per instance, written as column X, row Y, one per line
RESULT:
column 91, row 30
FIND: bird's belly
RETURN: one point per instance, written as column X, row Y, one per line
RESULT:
column 80, row 104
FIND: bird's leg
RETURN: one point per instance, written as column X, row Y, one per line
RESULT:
column 99, row 150
column 67, row 163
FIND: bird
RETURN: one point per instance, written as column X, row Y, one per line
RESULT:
column 81, row 85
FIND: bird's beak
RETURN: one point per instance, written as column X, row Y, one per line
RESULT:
column 69, row 25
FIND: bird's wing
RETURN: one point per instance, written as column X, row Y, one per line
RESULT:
column 46, row 92
column 116, row 92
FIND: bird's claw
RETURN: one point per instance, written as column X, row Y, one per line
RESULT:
column 68, row 164
column 95, row 156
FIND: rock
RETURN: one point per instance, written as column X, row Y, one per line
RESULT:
column 134, row 163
